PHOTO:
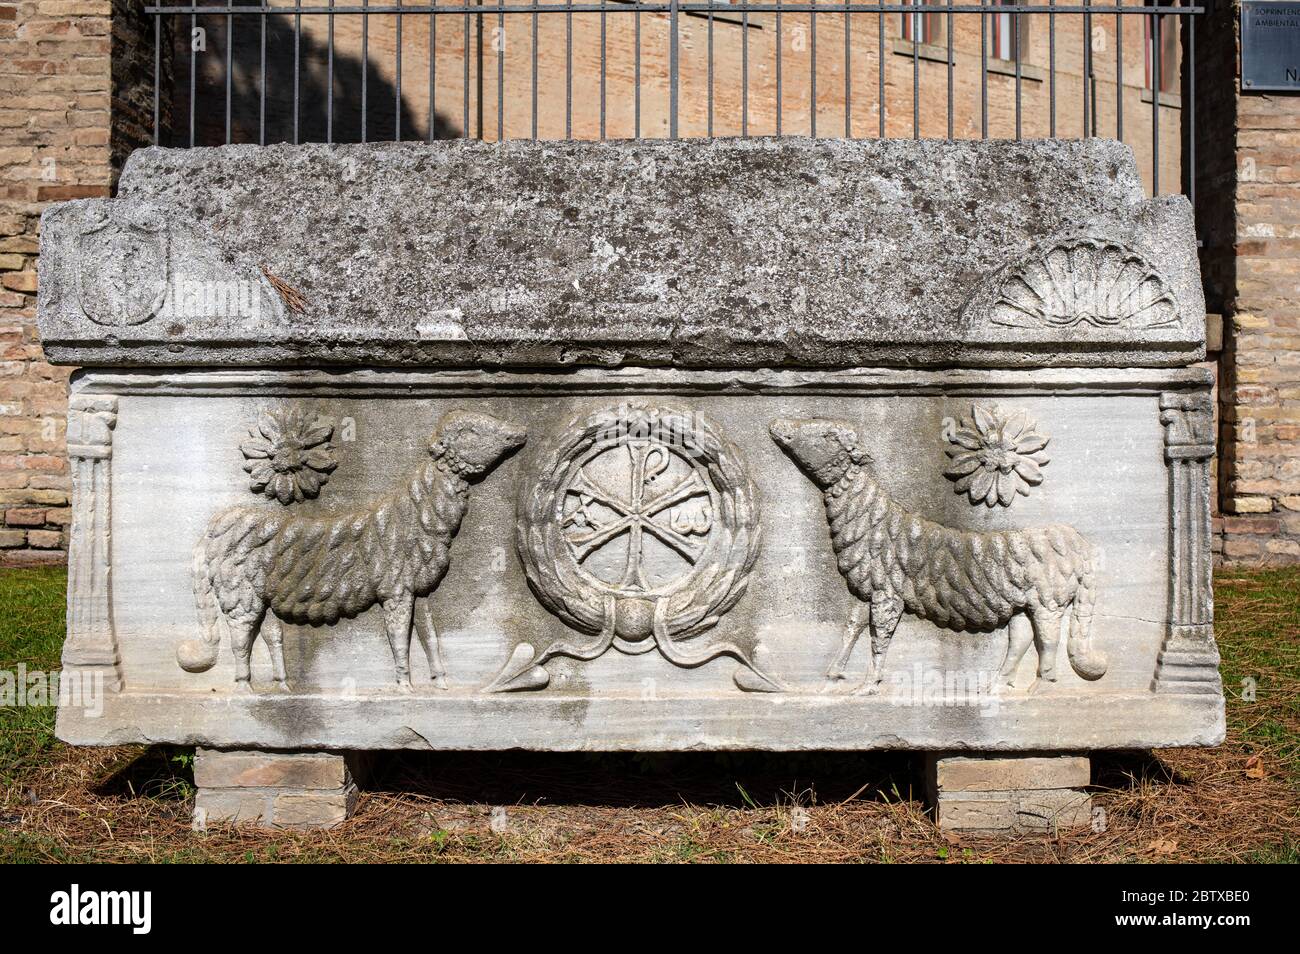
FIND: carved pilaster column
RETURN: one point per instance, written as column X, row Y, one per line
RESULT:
column 91, row 642
column 1189, row 659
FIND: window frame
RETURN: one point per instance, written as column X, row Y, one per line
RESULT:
column 1169, row 66
column 1009, row 32
column 929, row 23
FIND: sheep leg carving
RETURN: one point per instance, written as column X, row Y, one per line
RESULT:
column 431, row 641
column 886, row 611
column 859, row 619
column 1020, row 634
column 273, row 633
column 242, row 633
column 1047, row 637
column 397, row 624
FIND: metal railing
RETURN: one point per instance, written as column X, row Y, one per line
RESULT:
column 870, row 65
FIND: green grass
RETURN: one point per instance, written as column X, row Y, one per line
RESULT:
column 1257, row 626
column 32, row 615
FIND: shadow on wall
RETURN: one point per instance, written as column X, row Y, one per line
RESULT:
column 209, row 79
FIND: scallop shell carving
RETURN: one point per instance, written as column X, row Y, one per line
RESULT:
column 1086, row 281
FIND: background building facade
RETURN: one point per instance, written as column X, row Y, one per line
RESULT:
column 77, row 79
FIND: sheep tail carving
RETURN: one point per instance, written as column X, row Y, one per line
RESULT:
column 199, row 655
column 1086, row 660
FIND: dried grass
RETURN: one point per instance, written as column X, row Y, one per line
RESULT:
column 130, row 805
column 1239, row 802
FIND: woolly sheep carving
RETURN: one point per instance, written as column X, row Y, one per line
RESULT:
column 894, row 561
column 258, row 566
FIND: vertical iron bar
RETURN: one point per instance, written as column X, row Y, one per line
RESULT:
column 812, row 68
column 1191, row 111
column 1155, row 104
column 636, row 77
column 568, row 69
column 710, row 59
column 950, row 66
column 465, row 78
column 744, row 71
column 479, row 92
column 297, row 59
column 916, row 20
column 501, row 75
column 329, row 78
column 261, row 86
column 194, row 25
column 880, row 68
column 984, row 75
column 433, row 74
column 397, row 69
column 365, row 68
column 1119, row 73
column 673, row 66
column 230, row 61
column 1087, row 70
column 1015, row 46
column 602, row 67
column 1051, row 69
column 848, row 74
column 535, row 18
column 157, row 74
column 780, row 42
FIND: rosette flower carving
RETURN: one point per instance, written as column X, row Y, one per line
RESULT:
column 996, row 456
column 289, row 455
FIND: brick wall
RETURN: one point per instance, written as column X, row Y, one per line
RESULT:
column 70, row 71
column 54, row 121
column 77, row 82
column 1248, row 168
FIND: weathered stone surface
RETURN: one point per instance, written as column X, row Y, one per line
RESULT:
column 272, row 808
column 775, row 542
column 300, row 770
column 725, row 253
column 313, row 809
column 492, row 515
column 1008, row 794
column 954, row 774
column 272, row 789
column 1014, row 811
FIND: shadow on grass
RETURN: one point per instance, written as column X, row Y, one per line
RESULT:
column 612, row 780
column 163, row 773
column 1121, row 770
column 627, row 780
column 641, row 780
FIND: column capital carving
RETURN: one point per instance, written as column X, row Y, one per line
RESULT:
column 1188, row 418
column 91, row 419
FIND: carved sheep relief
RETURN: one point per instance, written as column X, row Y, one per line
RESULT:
column 1031, row 581
column 258, row 567
column 638, row 527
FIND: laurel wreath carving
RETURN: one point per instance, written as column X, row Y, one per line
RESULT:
column 718, row 579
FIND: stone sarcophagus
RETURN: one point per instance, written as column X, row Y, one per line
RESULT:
column 733, row 444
